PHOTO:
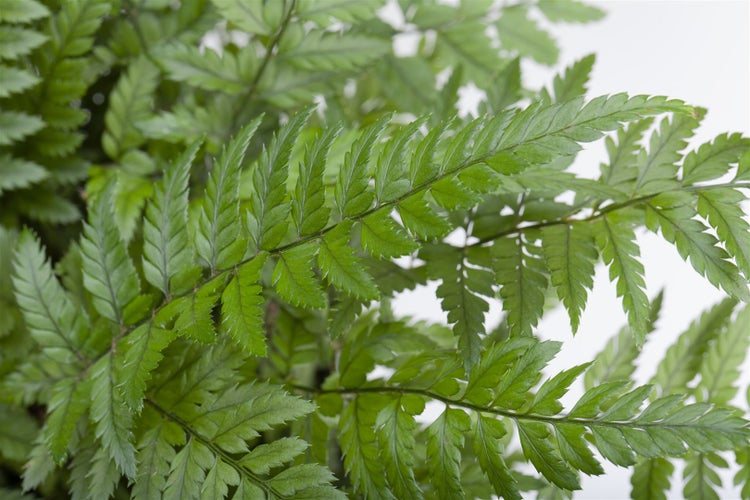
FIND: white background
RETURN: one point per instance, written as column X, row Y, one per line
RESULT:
column 698, row 51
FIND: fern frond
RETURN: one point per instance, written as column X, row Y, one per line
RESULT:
column 341, row 267
column 326, row 51
column 17, row 42
column 165, row 242
column 108, row 272
column 674, row 214
column 22, row 11
column 572, row 83
column 129, row 102
column 54, row 321
column 294, row 279
column 242, row 311
column 713, row 159
column 14, row 80
column 570, row 254
column 218, row 223
column 569, row 11
column 268, row 212
column 722, row 209
column 309, row 212
column 518, row 32
column 520, row 271
column 444, row 446
column 651, row 479
column 619, row 250
column 14, row 126
column 489, row 450
column 110, row 415
column 68, row 402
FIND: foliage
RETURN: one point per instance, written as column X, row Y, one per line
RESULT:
column 212, row 327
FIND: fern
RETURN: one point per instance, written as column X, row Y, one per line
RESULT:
column 213, row 328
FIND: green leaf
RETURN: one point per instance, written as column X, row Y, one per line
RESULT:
column 246, row 14
column 650, row 479
column 208, row 70
column 396, row 428
column 294, row 277
column 309, row 212
column 195, row 320
column 242, row 307
column 570, row 255
column 112, row 418
column 490, row 451
column 155, row 454
column 701, row 480
column 22, row 11
column 137, row 356
column 268, row 205
column 722, row 208
column 620, row 252
column 390, row 169
column 327, row 51
column 16, row 42
column 674, row 214
column 421, row 220
column 14, row 80
column 347, row 11
column 129, row 102
column 359, row 446
column 69, row 400
column 14, row 126
column 351, row 191
column 16, row 173
column 54, row 320
column 713, row 159
column 519, row 269
column 444, row 447
column 621, row 171
column 165, row 242
column 684, row 358
column 218, row 228
column 73, row 27
column 657, row 168
column 572, row 83
column 188, row 471
column 538, row 447
column 721, row 363
column 341, row 267
column 518, row 32
column 382, row 237
column 267, row 456
column 546, row 401
column 569, row 11
column 108, row 272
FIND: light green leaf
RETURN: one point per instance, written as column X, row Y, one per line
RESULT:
column 341, row 267
column 294, row 277
column 713, row 159
column 569, row 11
column 444, row 447
column 309, row 212
column 327, row 51
column 14, row 80
column 217, row 241
column 22, row 11
column 16, row 42
column 722, row 208
column 14, row 126
column 242, row 307
column 382, row 237
column 570, row 254
column 16, row 173
column 165, row 241
column 108, row 272
column 489, row 450
column 226, row 73
column 519, row 32
column 396, row 428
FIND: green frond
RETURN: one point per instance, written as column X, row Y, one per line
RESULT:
column 651, row 479
column 351, row 192
column 382, row 237
column 713, row 159
column 309, row 212
column 348, row 11
column 218, row 229
column 489, row 450
column 252, row 16
column 17, row 42
column 674, row 215
column 166, row 251
column 616, row 239
column 617, row 360
column 326, row 51
column 54, row 320
column 16, row 173
column 129, row 102
column 569, row 11
column 228, row 72
column 396, row 426
column 520, row 271
column 111, row 416
column 295, row 280
column 108, row 273
column 657, row 168
column 721, row 362
column 518, row 32
column 22, row 11
column 444, row 449
column 341, row 267
column 267, row 217
column 683, row 359
column 701, row 480
column 14, row 80
column 68, row 402
column 14, row 126
column 722, row 208
column 570, row 254
column 390, row 169
column 137, row 356
column 242, row 307
column 572, row 83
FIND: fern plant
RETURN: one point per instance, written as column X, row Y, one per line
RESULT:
column 218, row 338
